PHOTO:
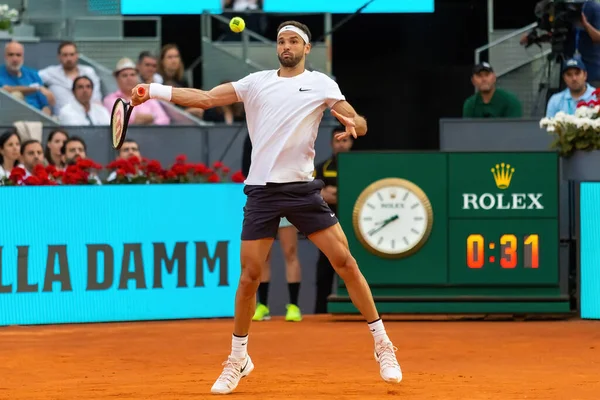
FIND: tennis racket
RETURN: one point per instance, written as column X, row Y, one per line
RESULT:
column 119, row 119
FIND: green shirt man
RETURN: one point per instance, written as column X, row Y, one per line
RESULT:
column 489, row 101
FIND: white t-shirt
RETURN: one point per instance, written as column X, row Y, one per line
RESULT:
column 283, row 116
column 61, row 85
column 74, row 114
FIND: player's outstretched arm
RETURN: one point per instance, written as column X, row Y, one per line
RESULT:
column 221, row 95
column 353, row 122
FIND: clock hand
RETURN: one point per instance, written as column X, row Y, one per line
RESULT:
column 384, row 224
column 381, row 223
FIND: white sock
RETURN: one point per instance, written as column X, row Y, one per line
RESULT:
column 378, row 331
column 239, row 346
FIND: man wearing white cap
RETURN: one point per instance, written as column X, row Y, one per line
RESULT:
column 151, row 112
column 283, row 109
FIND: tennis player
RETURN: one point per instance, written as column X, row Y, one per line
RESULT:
column 283, row 109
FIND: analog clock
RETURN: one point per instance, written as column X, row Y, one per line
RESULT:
column 392, row 218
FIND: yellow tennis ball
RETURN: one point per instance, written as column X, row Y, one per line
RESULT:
column 237, row 24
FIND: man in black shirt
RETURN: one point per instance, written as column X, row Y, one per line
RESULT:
column 327, row 172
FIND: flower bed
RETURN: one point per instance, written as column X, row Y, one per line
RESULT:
column 579, row 132
column 130, row 171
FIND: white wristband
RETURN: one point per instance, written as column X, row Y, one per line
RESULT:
column 161, row 92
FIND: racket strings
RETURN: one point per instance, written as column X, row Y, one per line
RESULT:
column 118, row 122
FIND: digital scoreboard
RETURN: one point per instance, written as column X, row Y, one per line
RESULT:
column 453, row 232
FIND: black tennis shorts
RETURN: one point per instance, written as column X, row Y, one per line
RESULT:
column 300, row 202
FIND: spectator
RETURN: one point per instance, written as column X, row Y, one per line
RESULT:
column 490, row 101
column 22, row 81
column 10, row 152
column 60, row 78
column 32, row 154
column 574, row 74
column 150, row 112
column 55, row 142
column 171, row 67
column 73, row 149
column 81, row 110
column 327, row 172
column 147, row 66
column 130, row 148
column 227, row 114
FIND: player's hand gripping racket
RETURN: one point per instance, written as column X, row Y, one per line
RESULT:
column 119, row 119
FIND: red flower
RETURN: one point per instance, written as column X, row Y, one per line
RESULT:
column 84, row 163
column 17, row 174
column 225, row 170
column 40, row 171
column 121, row 173
column 181, row 159
column 214, row 178
column 134, row 160
column 32, row 180
column 200, row 169
column 50, row 169
column 153, row 167
column 179, row 169
column 217, row 165
column 238, row 177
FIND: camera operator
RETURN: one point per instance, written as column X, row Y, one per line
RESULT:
column 579, row 36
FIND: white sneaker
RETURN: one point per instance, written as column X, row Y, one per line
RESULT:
column 235, row 369
column 385, row 354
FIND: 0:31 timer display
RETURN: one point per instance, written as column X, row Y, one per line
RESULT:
column 478, row 250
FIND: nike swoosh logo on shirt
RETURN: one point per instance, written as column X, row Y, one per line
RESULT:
column 304, row 90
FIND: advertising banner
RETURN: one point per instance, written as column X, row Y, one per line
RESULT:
column 119, row 253
column 589, row 249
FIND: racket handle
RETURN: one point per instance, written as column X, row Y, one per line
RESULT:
column 141, row 91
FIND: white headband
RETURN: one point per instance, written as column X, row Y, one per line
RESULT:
column 292, row 28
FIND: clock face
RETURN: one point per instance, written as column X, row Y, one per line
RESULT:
column 393, row 217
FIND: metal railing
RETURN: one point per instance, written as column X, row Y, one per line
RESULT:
column 509, row 38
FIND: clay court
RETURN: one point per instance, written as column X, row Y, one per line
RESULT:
column 318, row 358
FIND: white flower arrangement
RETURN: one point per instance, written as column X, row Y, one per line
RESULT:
column 578, row 132
column 7, row 17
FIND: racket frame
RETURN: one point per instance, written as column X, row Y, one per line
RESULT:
column 128, row 109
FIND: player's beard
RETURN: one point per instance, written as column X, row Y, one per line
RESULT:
column 290, row 62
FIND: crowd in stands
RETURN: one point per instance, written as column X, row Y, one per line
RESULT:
column 60, row 151
column 491, row 101
column 580, row 70
column 64, row 160
column 71, row 92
